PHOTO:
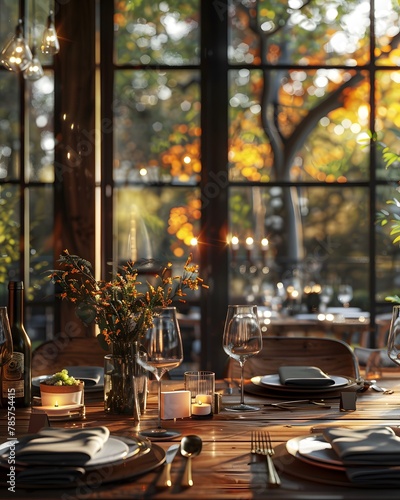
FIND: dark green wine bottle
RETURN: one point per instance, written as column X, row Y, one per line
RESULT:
column 16, row 377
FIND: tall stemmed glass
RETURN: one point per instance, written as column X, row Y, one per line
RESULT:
column 393, row 342
column 6, row 345
column 161, row 351
column 345, row 294
column 242, row 339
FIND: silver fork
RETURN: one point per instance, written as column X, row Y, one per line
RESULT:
column 261, row 445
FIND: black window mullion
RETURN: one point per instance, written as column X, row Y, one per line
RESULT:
column 214, row 182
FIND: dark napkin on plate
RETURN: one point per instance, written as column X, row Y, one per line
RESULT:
column 370, row 455
column 62, row 446
column 373, row 445
column 50, row 476
column 304, row 376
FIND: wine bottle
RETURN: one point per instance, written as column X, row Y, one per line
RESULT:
column 16, row 378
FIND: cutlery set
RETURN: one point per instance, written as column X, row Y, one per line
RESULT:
column 190, row 447
column 298, row 404
column 261, row 444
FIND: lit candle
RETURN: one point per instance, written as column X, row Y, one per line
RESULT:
column 194, row 244
column 249, row 243
column 204, row 398
column 264, row 248
column 235, row 247
column 235, row 243
column 249, row 247
column 201, row 408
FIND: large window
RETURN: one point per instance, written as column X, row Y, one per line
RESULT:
column 239, row 131
column 27, row 171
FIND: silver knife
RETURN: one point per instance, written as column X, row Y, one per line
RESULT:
column 164, row 480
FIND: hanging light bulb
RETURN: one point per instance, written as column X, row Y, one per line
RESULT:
column 16, row 55
column 50, row 44
column 34, row 71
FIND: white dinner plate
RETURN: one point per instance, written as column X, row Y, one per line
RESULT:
column 115, row 449
column 273, row 382
column 314, row 450
column 355, row 315
column 93, row 376
column 342, row 310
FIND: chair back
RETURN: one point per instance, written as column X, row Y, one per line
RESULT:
column 63, row 351
column 334, row 357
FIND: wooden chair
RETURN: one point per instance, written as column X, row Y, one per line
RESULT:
column 333, row 356
column 64, row 351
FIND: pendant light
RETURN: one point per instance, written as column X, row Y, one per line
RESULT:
column 50, row 44
column 16, row 55
column 34, row 71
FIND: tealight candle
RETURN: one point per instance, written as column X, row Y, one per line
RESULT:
column 203, row 398
column 201, row 408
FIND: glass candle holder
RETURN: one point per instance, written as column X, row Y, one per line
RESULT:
column 201, row 385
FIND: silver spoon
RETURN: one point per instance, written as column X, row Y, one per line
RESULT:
column 190, row 447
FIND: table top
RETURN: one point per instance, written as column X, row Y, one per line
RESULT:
column 226, row 469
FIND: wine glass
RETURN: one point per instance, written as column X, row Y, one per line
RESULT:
column 242, row 339
column 393, row 342
column 6, row 345
column 325, row 297
column 345, row 294
column 161, row 351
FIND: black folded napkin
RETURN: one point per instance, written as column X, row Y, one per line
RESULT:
column 61, row 446
column 370, row 455
column 304, row 376
column 48, row 476
column 373, row 445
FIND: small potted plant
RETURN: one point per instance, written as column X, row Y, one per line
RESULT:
column 61, row 389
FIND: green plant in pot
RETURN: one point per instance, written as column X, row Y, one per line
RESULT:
column 61, row 389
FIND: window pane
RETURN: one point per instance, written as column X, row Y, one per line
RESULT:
column 315, row 235
column 387, row 20
column 300, row 125
column 301, row 33
column 151, row 32
column 9, row 126
column 10, row 227
column 41, row 222
column 158, row 223
column 388, row 255
column 157, row 127
column 41, row 132
column 387, row 122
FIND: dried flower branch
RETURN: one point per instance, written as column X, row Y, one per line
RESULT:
column 119, row 307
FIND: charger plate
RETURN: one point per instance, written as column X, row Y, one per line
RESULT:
column 314, row 472
column 255, row 386
column 149, row 457
column 273, row 382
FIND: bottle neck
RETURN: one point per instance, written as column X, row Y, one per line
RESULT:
column 15, row 305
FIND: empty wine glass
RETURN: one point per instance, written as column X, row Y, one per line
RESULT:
column 242, row 338
column 161, row 351
column 393, row 342
column 6, row 345
column 325, row 297
column 345, row 294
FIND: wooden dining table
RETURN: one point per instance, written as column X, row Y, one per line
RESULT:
column 226, row 468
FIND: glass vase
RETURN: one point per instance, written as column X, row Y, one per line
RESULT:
column 125, row 382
